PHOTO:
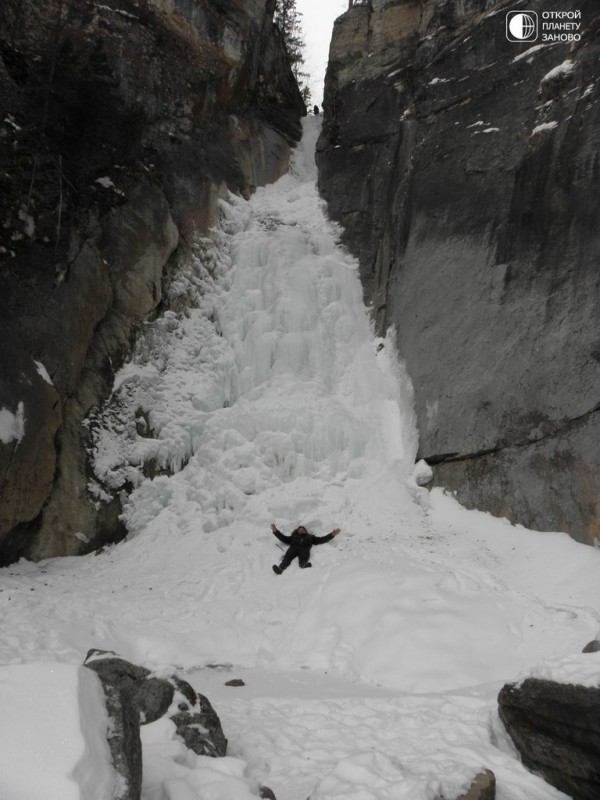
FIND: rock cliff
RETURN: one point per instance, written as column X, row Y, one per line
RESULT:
column 121, row 124
column 464, row 171
column 554, row 727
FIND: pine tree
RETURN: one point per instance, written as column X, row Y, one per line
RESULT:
column 289, row 21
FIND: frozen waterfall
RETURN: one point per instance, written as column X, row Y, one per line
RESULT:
column 275, row 376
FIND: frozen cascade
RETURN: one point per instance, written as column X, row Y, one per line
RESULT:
column 304, row 354
column 282, row 375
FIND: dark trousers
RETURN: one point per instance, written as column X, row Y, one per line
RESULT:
column 290, row 555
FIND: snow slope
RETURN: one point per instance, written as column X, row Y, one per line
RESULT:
column 371, row 676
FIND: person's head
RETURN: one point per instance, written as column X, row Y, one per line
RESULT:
column 301, row 529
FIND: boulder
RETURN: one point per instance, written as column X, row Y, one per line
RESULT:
column 483, row 787
column 134, row 697
column 120, row 681
column 199, row 726
column 556, row 729
column 592, row 647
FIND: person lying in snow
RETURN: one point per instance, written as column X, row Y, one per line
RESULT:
column 300, row 541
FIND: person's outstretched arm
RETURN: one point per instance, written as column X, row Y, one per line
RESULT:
column 281, row 536
column 327, row 538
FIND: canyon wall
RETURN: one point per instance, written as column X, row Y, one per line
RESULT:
column 121, row 125
column 464, row 169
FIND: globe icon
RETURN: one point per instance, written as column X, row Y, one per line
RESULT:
column 522, row 26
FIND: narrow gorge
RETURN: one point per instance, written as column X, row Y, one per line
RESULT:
column 224, row 317
column 463, row 169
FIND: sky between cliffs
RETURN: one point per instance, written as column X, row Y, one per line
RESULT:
column 317, row 23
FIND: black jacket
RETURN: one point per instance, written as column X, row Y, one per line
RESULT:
column 302, row 541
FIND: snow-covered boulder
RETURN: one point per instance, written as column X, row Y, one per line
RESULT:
column 121, row 681
column 556, row 729
column 423, row 473
column 135, row 696
column 483, row 787
column 200, row 727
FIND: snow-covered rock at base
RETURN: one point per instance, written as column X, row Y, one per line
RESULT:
column 555, row 727
column 135, row 696
column 53, row 734
column 423, row 473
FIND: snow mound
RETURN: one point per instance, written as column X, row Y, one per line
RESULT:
column 53, row 737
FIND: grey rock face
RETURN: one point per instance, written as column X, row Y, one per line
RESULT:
column 119, row 681
column 136, row 242
column 200, row 728
column 461, row 167
column 592, row 647
column 133, row 698
column 482, row 788
column 27, row 462
column 556, row 729
column 121, row 126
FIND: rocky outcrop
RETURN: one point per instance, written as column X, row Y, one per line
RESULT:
column 119, row 681
column 135, row 697
column 483, row 787
column 27, row 455
column 199, row 727
column 556, row 729
column 136, row 242
column 592, row 647
column 463, row 168
column 121, row 125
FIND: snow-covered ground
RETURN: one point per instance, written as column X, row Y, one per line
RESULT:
column 371, row 676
